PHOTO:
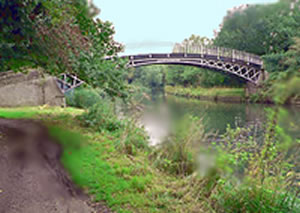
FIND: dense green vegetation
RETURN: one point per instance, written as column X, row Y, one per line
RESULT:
column 271, row 31
column 238, row 173
column 261, row 29
column 60, row 36
column 110, row 157
column 219, row 93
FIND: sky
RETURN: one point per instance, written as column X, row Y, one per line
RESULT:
column 154, row 26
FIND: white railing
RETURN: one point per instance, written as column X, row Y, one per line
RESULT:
column 218, row 52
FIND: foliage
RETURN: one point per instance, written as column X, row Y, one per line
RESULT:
column 101, row 117
column 149, row 76
column 282, row 84
column 83, row 97
column 127, row 183
column 194, row 76
column 272, row 31
column 260, row 29
column 254, row 199
column 183, row 75
column 60, row 37
column 178, row 153
column 131, row 139
column 286, row 91
column 32, row 31
column 266, row 169
column 131, row 183
column 92, row 67
column 213, row 93
column 187, row 44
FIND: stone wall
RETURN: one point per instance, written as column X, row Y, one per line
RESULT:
column 32, row 89
column 250, row 89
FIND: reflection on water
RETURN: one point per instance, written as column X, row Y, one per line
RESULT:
column 162, row 112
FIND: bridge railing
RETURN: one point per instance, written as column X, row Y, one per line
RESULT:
column 219, row 52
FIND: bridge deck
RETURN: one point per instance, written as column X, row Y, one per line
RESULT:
column 253, row 61
column 246, row 66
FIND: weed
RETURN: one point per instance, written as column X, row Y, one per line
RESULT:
column 83, row 98
column 178, row 153
column 101, row 117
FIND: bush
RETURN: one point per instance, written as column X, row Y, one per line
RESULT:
column 101, row 117
column 250, row 169
column 83, row 98
column 132, row 138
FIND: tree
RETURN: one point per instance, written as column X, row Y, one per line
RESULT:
column 260, row 29
column 60, row 36
column 190, row 45
column 148, row 76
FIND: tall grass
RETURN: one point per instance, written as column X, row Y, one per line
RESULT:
column 243, row 172
column 248, row 173
column 178, row 153
column 268, row 181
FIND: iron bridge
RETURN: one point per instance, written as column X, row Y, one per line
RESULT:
column 245, row 66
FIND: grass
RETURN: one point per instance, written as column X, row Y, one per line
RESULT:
column 200, row 92
column 31, row 112
column 127, row 183
column 132, row 182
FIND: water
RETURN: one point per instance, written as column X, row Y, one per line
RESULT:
column 161, row 113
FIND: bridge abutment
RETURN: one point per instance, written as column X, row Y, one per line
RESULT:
column 32, row 89
column 251, row 88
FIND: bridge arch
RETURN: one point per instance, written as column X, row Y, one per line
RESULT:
column 243, row 65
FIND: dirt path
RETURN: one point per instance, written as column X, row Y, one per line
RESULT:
column 32, row 180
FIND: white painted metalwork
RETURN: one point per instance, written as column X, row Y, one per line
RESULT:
column 232, row 62
column 68, row 82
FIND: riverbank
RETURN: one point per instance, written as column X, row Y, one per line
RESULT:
column 226, row 95
column 113, row 167
column 95, row 162
column 232, row 95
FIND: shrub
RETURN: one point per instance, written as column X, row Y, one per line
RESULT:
column 131, row 138
column 101, row 117
column 83, row 98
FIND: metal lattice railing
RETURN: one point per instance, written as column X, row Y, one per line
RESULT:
column 219, row 52
column 68, row 82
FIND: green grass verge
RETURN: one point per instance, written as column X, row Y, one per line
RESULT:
column 33, row 112
column 126, row 183
column 129, row 183
column 213, row 93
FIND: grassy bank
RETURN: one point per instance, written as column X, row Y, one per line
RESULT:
column 218, row 93
column 117, row 167
column 126, row 182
